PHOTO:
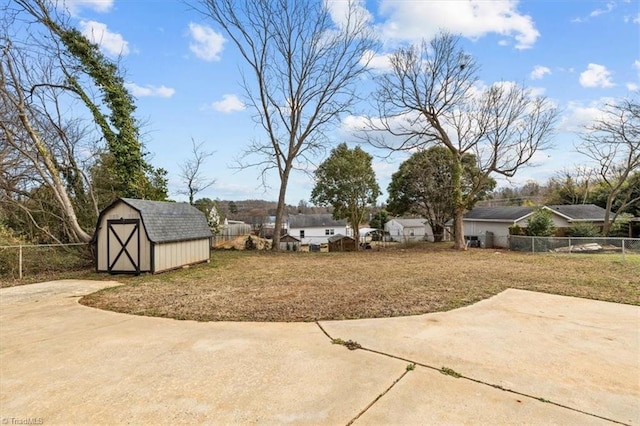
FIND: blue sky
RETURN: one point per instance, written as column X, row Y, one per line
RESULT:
column 185, row 74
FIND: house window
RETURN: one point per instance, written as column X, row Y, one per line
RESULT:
column 329, row 231
column 302, row 233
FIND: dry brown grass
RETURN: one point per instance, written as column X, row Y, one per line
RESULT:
column 263, row 286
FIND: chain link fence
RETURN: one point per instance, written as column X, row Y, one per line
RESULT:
column 20, row 261
column 574, row 244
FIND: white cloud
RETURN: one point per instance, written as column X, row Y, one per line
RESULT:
column 150, row 91
column 596, row 75
column 112, row 43
column 577, row 115
column 635, row 19
column 207, row 44
column 229, row 103
column 376, row 62
column 636, row 64
column 633, row 87
column 597, row 12
column 473, row 19
column 339, row 11
column 539, row 72
column 101, row 6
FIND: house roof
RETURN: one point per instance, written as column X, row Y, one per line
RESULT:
column 289, row 239
column 580, row 212
column 166, row 221
column 576, row 212
column 314, row 221
column 499, row 214
column 410, row 222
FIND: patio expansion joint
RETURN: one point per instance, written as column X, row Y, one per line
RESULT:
column 447, row 371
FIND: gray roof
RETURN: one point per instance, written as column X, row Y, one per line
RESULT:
column 588, row 212
column 499, row 214
column 410, row 222
column 576, row 212
column 314, row 221
column 166, row 222
column 339, row 237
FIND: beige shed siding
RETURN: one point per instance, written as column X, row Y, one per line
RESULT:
column 121, row 210
column 174, row 255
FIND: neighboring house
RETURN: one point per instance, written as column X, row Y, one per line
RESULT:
column 316, row 228
column 497, row 220
column 134, row 236
column 341, row 242
column 408, row 229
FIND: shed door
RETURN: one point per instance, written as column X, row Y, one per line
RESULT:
column 123, row 246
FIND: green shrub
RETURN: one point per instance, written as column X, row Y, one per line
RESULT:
column 540, row 224
column 516, row 230
column 583, row 229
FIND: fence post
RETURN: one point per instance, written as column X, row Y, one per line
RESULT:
column 533, row 244
column 569, row 245
column 20, row 261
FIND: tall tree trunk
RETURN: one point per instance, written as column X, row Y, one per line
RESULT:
column 59, row 188
column 458, row 202
column 438, row 233
column 284, row 180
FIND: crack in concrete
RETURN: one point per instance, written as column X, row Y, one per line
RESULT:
column 462, row 376
column 371, row 404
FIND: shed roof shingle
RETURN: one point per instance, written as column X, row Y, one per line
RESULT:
column 165, row 221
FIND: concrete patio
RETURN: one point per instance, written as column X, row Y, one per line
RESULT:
column 523, row 358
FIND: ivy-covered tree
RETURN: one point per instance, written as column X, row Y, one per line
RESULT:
column 346, row 181
column 423, row 186
column 49, row 72
column 119, row 126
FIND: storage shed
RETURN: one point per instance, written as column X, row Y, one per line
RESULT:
column 289, row 242
column 134, row 236
column 342, row 243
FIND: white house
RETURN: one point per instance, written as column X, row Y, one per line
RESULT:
column 408, row 229
column 498, row 220
column 316, row 228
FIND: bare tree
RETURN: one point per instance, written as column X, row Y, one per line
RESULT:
column 432, row 96
column 302, row 69
column 36, row 135
column 62, row 100
column 613, row 143
column 191, row 172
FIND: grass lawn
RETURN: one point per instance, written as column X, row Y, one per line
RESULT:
column 295, row 286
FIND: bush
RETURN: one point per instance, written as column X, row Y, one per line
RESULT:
column 583, row 230
column 540, row 224
column 516, row 230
